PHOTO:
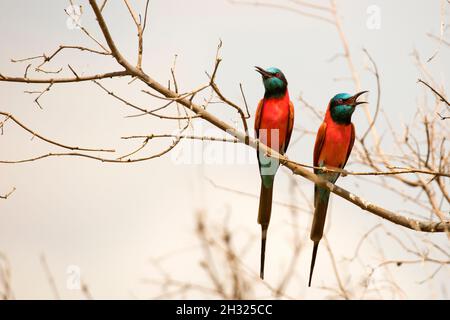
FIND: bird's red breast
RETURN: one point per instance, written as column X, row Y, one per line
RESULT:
column 333, row 143
column 275, row 114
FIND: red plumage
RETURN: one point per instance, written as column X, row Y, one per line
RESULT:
column 275, row 113
column 333, row 145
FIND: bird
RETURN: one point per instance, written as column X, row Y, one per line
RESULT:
column 274, row 122
column 334, row 143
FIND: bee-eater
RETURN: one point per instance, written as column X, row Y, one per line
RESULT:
column 274, row 122
column 334, row 142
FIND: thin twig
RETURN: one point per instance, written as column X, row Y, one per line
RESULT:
column 35, row 134
column 440, row 95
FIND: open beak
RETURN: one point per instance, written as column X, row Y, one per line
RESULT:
column 352, row 100
column 263, row 72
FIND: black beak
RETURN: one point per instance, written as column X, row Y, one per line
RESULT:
column 352, row 100
column 263, row 72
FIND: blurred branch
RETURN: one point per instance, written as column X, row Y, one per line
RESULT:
column 6, row 196
column 253, row 195
column 342, row 290
column 283, row 7
column 50, row 278
column 438, row 39
column 377, row 109
column 6, row 292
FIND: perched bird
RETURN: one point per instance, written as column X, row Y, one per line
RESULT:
column 334, row 142
column 274, row 122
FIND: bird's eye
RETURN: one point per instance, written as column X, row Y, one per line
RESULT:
column 278, row 75
column 340, row 101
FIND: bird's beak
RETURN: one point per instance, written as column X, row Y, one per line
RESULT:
column 263, row 72
column 352, row 100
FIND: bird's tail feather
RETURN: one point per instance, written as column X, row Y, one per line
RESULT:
column 320, row 213
column 313, row 261
column 265, row 209
column 263, row 250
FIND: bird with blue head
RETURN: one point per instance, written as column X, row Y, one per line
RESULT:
column 274, row 122
column 343, row 105
column 274, row 81
column 334, row 143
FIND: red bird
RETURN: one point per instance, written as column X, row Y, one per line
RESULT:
column 274, row 122
column 334, row 142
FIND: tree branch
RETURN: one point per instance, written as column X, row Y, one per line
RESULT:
column 35, row 134
column 114, row 74
column 6, row 196
column 130, row 70
column 440, row 95
column 363, row 204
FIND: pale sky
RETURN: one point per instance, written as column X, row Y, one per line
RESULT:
column 111, row 219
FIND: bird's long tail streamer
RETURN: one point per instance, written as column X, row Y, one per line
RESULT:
column 321, row 198
column 265, row 209
column 313, row 262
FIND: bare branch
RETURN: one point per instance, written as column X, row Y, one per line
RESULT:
column 50, row 278
column 35, row 134
column 192, row 137
column 6, row 196
column 144, row 111
column 41, row 93
column 114, row 74
column 377, row 109
column 47, row 58
column 86, row 32
column 441, row 96
column 282, row 7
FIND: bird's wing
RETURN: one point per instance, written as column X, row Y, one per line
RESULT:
column 258, row 117
column 350, row 146
column 290, row 126
column 320, row 138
